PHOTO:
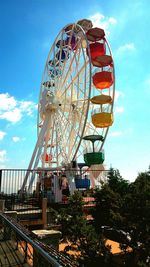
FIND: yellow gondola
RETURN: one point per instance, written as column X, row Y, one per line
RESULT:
column 101, row 99
column 102, row 120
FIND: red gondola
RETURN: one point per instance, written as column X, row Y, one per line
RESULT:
column 48, row 157
column 95, row 34
column 102, row 61
column 97, row 49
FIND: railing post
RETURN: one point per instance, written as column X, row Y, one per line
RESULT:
column 7, row 229
column 2, row 205
column 0, row 179
column 26, row 252
column 39, row 261
column 43, row 255
column 44, row 212
column 35, row 258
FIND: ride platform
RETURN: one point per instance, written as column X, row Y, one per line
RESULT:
column 10, row 256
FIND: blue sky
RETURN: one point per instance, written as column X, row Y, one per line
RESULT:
column 28, row 29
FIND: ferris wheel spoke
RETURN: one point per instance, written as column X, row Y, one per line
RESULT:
column 81, row 121
column 60, row 136
column 74, row 79
column 77, row 127
column 69, row 67
column 67, row 137
column 64, row 123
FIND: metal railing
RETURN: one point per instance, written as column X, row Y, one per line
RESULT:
column 47, row 183
column 35, row 252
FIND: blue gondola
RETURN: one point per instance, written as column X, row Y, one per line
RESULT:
column 82, row 183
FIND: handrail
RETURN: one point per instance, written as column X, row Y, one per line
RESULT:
column 37, row 245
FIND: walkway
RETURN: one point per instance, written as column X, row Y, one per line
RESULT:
column 9, row 257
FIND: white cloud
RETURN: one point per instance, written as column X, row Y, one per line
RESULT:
column 16, row 139
column 12, row 110
column 99, row 20
column 28, row 107
column 129, row 131
column 2, row 155
column 118, row 94
column 126, row 47
column 126, row 132
column 7, row 102
column 12, row 115
column 148, row 82
column 112, row 20
column 119, row 109
column 115, row 134
column 2, row 134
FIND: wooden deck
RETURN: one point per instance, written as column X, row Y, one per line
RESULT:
column 9, row 256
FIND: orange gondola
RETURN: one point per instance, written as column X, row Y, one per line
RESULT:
column 103, row 79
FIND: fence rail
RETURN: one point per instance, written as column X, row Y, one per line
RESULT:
column 34, row 251
column 46, row 183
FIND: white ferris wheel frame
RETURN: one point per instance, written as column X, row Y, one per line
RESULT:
column 65, row 112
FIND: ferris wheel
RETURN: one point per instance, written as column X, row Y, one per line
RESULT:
column 75, row 108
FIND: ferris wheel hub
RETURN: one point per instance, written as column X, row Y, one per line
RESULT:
column 51, row 107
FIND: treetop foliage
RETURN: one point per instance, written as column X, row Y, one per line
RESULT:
column 121, row 213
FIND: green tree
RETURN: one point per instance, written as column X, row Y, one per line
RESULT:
column 116, row 182
column 82, row 236
column 93, row 249
column 107, row 209
column 119, row 205
column 137, row 213
column 71, row 218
